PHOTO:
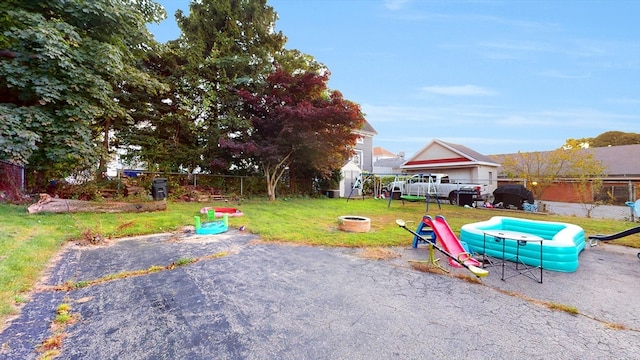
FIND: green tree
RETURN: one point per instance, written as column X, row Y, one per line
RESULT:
column 225, row 44
column 615, row 138
column 61, row 65
column 571, row 162
column 160, row 132
column 296, row 122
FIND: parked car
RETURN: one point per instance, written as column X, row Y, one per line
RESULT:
column 439, row 185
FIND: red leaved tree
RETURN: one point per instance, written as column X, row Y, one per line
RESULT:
column 296, row 121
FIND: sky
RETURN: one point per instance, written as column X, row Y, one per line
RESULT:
column 495, row 76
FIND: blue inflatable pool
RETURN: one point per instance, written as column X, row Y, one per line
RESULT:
column 212, row 227
column 561, row 246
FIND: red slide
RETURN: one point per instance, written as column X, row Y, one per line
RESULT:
column 449, row 241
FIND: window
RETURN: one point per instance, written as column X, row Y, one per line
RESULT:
column 360, row 140
column 357, row 158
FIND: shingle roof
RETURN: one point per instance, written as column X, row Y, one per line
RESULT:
column 380, row 151
column 468, row 152
column 620, row 161
column 368, row 129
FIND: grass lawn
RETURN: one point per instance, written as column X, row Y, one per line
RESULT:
column 27, row 242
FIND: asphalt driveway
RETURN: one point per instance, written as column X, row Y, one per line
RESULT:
column 253, row 300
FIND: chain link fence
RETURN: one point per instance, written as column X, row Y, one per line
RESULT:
column 618, row 193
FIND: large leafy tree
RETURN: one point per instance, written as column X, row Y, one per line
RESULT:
column 296, row 122
column 571, row 162
column 159, row 131
column 224, row 44
column 614, row 138
column 62, row 64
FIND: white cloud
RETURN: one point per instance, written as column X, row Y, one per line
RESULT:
column 463, row 90
column 495, row 117
column 569, row 118
column 395, row 4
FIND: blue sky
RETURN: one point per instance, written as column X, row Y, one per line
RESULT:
column 495, row 76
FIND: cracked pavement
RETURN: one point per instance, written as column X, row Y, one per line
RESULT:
column 268, row 301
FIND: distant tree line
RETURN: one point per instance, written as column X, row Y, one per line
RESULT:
column 80, row 80
column 613, row 138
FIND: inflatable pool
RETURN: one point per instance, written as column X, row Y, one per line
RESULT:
column 561, row 246
column 211, row 227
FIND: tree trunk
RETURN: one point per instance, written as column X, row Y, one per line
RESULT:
column 102, row 167
column 271, row 190
column 53, row 205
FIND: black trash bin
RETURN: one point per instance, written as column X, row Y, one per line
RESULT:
column 159, row 189
column 465, row 198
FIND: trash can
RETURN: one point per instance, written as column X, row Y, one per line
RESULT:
column 159, row 189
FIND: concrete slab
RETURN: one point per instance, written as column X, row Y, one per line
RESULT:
column 267, row 301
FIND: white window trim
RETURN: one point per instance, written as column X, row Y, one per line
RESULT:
column 358, row 156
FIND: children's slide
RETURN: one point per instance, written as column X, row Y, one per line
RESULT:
column 449, row 241
column 594, row 238
column 616, row 235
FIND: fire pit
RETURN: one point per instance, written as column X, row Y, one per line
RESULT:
column 351, row 223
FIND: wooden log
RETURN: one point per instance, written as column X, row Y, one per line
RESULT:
column 55, row 205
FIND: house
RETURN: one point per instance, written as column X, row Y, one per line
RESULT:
column 361, row 162
column 386, row 162
column 389, row 166
column 380, row 153
column 622, row 180
column 364, row 147
column 461, row 163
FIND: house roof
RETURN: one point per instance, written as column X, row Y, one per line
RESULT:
column 382, row 152
column 619, row 161
column 623, row 160
column 351, row 166
column 367, row 129
column 438, row 154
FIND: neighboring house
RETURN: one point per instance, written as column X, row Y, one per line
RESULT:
column 380, row 153
column 385, row 162
column 462, row 164
column 622, row 178
column 361, row 162
column 622, row 162
column 117, row 166
column 388, row 166
column 364, row 147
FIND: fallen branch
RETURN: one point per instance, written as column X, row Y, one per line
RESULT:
column 55, row 205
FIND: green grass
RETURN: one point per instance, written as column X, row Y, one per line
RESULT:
column 28, row 242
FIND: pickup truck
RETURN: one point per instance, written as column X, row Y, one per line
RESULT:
column 437, row 185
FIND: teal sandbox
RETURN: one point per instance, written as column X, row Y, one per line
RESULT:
column 560, row 248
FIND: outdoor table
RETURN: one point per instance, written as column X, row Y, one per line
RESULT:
column 522, row 239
